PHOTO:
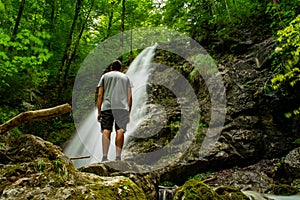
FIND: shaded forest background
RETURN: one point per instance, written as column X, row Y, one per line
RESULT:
column 43, row 43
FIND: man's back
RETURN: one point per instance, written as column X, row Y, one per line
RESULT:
column 115, row 86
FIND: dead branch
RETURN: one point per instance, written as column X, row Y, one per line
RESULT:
column 210, row 179
column 28, row 116
column 80, row 157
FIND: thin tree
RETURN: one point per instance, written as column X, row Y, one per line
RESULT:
column 110, row 19
column 68, row 48
column 122, row 26
column 75, row 50
column 16, row 27
column 20, row 13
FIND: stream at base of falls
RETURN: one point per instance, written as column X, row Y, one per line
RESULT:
column 167, row 193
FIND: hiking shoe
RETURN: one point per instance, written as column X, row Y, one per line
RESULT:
column 104, row 159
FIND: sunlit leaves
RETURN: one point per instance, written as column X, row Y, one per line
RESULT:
column 22, row 58
column 282, row 12
column 2, row 7
column 287, row 53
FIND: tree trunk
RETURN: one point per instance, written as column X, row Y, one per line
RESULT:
column 122, row 26
column 68, row 48
column 74, row 53
column 28, row 116
column 52, row 20
column 16, row 27
column 110, row 19
column 123, row 16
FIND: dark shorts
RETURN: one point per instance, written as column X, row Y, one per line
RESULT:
column 119, row 116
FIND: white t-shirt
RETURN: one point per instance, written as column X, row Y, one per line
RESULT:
column 115, row 96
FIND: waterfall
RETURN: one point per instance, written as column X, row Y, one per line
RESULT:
column 166, row 193
column 88, row 138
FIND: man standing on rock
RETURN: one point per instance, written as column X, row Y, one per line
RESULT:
column 114, row 105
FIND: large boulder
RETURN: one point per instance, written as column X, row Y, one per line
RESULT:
column 140, row 175
column 292, row 163
column 32, row 168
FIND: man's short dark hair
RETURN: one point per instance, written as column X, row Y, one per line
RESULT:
column 116, row 65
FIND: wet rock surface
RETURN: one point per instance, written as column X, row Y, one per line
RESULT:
column 194, row 189
column 32, row 168
column 292, row 163
column 254, row 139
column 255, row 127
column 140, row 175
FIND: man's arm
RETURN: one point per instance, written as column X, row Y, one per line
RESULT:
column 99, row 101
column 129, row 100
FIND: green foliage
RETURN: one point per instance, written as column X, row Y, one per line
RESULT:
column 199, row 177
column 6, row 113
column 2, row 7
column 57, row 130
column 282, row 13
column 21, row 63
column 174, row 126
column 210, row 17
column 297, row 142
column 287, row 59
column 41, row 164
column 60, row 134
column 167, row 183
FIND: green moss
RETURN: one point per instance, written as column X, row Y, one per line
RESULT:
column 11, row 170
column 194, row 189
column 296, row 183
column 167, row 183
column 284, row 190
column 230, row 193
column 103, row 192
column 123, row 188
column 128, row 190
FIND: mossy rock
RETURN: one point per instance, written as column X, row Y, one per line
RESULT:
column 147, row 182
column 37, row 169
column 87, row 186
column 193, row 189
column 230, row 193
column 296, row 184
column 284, row 190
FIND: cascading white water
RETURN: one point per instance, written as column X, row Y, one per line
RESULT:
column 260, row 196
column 139, row 72
column 88, row 139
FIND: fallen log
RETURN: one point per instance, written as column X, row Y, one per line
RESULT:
column 80, row 157
column 28, row 116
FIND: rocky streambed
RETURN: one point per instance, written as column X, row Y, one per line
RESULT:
column 32, row 168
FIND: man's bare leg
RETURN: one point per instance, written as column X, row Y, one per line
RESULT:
column 105, row 142
column 119, row 142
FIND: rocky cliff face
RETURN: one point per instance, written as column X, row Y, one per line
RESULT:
column 255, row 127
